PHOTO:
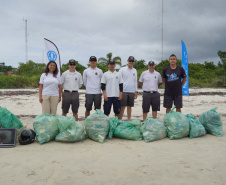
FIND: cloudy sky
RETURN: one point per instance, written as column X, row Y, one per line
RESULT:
column 81, row 28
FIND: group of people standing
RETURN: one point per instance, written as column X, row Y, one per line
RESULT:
column 119, row 88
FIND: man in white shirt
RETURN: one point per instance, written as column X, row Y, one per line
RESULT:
column 129, row 76
column 71, row 82
column 92, row 80
column 112, row 87
column 150, row 81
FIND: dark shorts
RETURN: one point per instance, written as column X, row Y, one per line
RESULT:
column 116, row 105
column 70, row 98
column 93, row 98
column 151, row 99
column 168, row 101
column 127, row 99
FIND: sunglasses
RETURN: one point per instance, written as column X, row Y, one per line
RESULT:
column 131, row 60
column 72, row 64
column 92, row 60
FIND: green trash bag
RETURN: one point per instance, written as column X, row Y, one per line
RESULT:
column 8, row 119
column 70, row 130
column 113, row 124
column 126, row 130
column 176, row 124
column 153, row 130
column 135, row 122
column 196, row 128
column 211, row 120
column 97, row 126
column 45, row 127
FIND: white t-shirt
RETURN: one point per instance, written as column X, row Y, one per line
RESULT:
column 91, row 79
column 71, row 81
column 112, row 81
column 150, row 80
column 129, row 77
column 50, row 84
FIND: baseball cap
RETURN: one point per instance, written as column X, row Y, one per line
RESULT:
column 111, row 62
column 131, row 58
column 72, row 61
column 151, row 63
column 92, row 58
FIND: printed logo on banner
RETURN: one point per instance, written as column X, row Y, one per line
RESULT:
column 51, row 55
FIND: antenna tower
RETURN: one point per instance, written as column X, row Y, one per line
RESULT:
column 162, row 30
column 26, row 36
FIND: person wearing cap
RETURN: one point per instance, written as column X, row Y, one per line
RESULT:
column 150, row 81
column 129, row 76
column 92, row 80
column 71, row 82
column 112, row 87
column 172, row 76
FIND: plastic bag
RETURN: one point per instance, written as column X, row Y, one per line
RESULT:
column 8, row 119
column 97, row 126
column 211, row 120
column 196, row 128
column 153, row 129
column 113, row 124
column 70, row 130
column 46, row 128
column 176, row 124
column 126, row 130
column 134, row 122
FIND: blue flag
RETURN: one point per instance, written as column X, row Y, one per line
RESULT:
column 185, row 88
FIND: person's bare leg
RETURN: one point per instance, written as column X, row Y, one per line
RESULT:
column 116, row 115
column 145, row 116
column 121, row 113
column 129, row 111
column 178, row 109
column 154, row 114
column 64, row 114
column 168, row 110
column 76, row 116
column 87, row 113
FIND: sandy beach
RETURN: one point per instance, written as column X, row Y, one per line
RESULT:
column 116, row 162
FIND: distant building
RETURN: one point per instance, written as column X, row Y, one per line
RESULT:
column 9, row 73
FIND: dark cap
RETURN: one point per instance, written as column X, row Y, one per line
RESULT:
column 72, row 61
column 111, row 62
column 151, row 63
column 92, row 58
column 131, row 58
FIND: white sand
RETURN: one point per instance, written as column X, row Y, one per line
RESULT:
column 184, row 161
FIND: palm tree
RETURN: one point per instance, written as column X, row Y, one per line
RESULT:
column 108, row 58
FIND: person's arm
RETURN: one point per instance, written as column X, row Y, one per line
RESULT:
column 163, row 80
column 136, row 90
column 80, row 81
column 141, row 84
column 183, row 82
column 103, row 87
column 60, row 91
column 159, row 84
column 40, row 93
column 121, row 90
column 84, row 78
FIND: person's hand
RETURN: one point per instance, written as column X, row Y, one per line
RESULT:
column 120, row 97
column 135, row 97
column 59, row 99
column 105, row 98
column 40, row 99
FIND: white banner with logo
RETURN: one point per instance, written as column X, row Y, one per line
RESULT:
column 52, row 54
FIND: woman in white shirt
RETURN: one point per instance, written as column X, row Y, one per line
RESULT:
column 50, row 89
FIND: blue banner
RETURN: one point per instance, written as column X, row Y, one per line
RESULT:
column 184, row 64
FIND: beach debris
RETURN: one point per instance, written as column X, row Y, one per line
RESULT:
column 8, row 119
column 153, row 130
column 211, row 120
column 97, row 126
column 196, row 127
column 70, row 130
column 177, row 124
column 45, row 127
